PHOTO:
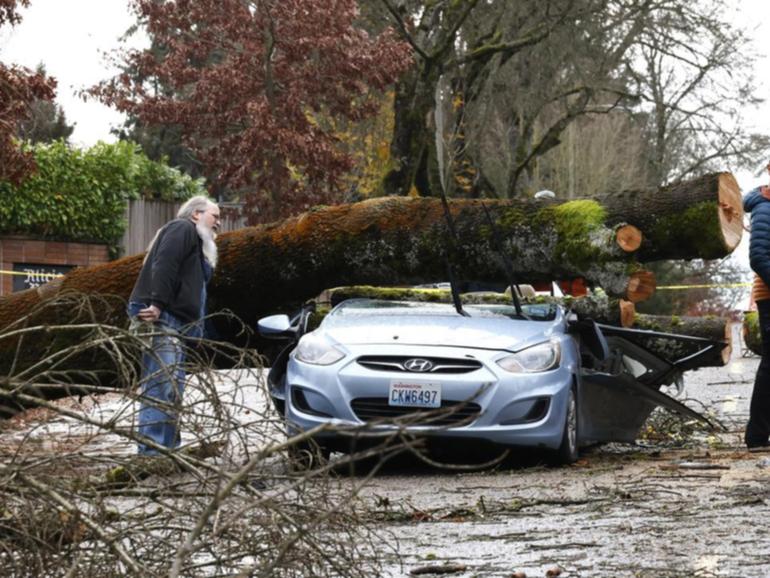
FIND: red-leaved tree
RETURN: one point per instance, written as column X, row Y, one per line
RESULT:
column 19, row 88
column 249, row 83
column 9, row 11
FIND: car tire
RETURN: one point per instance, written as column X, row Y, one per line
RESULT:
column 568, row 450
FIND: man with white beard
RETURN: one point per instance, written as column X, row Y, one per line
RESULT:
column 169, row 300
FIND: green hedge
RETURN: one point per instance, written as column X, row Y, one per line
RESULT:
column 80, row 195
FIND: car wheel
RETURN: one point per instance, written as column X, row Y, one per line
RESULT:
column 568, row 450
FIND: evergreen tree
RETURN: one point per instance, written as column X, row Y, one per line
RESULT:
column 45, row 121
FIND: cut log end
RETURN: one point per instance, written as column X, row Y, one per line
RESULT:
column 629, row 238
column 641, row 286
column 730, row 210
column 627, row 313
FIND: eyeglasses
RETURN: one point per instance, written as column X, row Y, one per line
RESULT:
column 216, row 216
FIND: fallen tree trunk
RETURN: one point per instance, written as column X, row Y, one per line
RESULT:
column 402, row 240
column 697, row 219
column 386, row 241
column 405, row 240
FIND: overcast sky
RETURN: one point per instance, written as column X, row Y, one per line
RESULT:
column 71, row 36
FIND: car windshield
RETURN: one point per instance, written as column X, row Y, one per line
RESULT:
column 534, row 311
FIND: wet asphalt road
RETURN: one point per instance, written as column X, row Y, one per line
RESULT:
column 639, row 511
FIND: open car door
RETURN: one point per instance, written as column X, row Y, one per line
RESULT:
column 618, row 393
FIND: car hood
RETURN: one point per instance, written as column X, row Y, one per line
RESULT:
column 454, row 331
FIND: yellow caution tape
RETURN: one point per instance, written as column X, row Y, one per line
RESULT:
column 26, row 274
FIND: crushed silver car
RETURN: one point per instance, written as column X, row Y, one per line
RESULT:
column 531, row 375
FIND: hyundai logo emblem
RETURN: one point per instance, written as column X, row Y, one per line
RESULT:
column 418, row 365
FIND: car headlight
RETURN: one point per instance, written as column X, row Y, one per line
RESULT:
column 535, row 359
column 317, row 351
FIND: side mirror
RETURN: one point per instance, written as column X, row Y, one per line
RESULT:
column 276, row 327
column 591, row 337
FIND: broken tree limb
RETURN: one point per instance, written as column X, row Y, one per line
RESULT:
column 612, row 311
column 697, row 219
column 712, row 328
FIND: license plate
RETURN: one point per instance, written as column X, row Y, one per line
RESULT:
column 406, row 394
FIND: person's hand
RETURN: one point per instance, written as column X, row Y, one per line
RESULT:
column 151, row 313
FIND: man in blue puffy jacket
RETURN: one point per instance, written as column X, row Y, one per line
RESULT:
column 757, row 203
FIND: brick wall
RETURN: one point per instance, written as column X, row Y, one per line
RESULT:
column 21, row 250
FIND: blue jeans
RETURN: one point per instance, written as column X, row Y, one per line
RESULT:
column 162, row 384
column 758, row 428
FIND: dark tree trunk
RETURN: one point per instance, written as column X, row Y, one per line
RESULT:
column 413, row 148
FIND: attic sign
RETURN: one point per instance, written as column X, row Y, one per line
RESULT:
column 30, row 275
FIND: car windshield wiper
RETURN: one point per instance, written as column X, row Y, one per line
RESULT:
column 450, row 270
column 507, row 264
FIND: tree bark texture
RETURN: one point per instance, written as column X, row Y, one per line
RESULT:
column 412, row 148
column 399, row 240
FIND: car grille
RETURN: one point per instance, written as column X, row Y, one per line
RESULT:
column 439, row 364
column 374, row 408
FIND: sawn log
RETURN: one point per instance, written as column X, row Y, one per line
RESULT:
column 712, row 328
column 697, row 219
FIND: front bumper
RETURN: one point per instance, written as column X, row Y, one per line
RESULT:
column 495, row 406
